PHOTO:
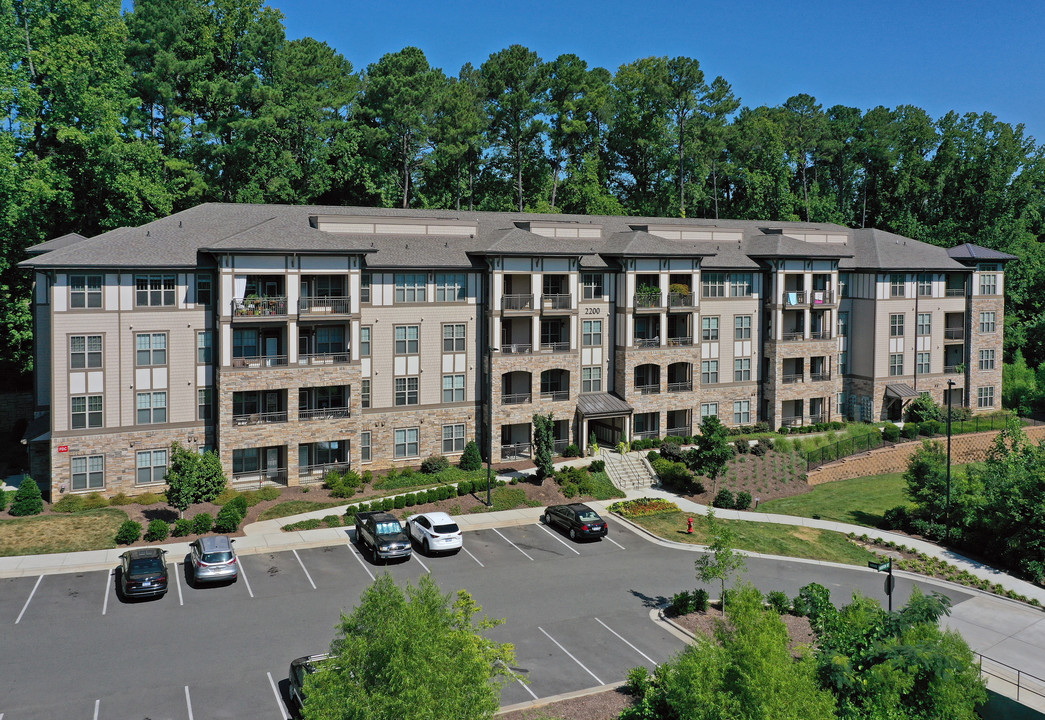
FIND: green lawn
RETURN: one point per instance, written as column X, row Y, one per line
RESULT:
column 297, row 507
column 769, row 538
column 90, row 530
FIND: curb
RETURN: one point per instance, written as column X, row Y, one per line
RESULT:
column 531, row 704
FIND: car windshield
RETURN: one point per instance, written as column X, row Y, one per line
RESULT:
column 217, row 557
column 388, row 528
column 145, row 566
column 587, row 516
column 447, row 529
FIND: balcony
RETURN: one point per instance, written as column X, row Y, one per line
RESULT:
column 516, row 451
column 820, row 335
column 793, row 421
column 819, row 377
column 257, row 478
column 340, row 358
column 793, row 336
column 311, row 474
column 954, row 369
column 793, row 378
column 684, row 386
column 954, row 333
column 648, row 301
column 823, row 297
column 644, row 434
column 260, row 361
column 557, row 302
column 794, row 299
column 555, row 395
column 259, row 307
column 955, row 292
column 814, row 419
column 516, row 398
column 647, row 389
column 517, row 302
column 681, row 300
column 279, row 416
column 555, row 347
column 684, row 431
column 559, row 445
column 517, row 348
column 324, row 413
column 680, row 341
column 647, row 342
column 324, row 306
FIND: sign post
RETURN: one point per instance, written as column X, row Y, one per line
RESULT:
column 890, row 581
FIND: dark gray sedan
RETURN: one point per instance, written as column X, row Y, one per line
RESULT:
column 577, row 519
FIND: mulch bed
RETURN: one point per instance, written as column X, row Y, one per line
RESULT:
column 774, row 475
column 798, row 628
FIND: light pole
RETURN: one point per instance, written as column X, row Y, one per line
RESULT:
column 947, row 507
column 489, row 424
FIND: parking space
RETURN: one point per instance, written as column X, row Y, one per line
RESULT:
column 275, row 574
column 237, row 696
column 14, row 592
column 57, row 598
column 154, row 701
column 546, row 667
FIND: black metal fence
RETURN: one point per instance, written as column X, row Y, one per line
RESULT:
column 1022, row 682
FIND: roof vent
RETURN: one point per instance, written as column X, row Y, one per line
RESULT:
column 179, row 223
column 146, row 233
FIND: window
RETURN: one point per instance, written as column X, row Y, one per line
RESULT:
column 647, row 424
column 708, row 410
column 364, row 447
column 740, row 285
column 245, row 344
column 85, row 291
column 246, row 460
column 450, row 287
column 843, row 324
column 364, row 287
column 88, row 472
column 205, row 404
column 204, row 289
column 925, row 324
column 896, row 325
column 205, row 347
column 406, row 390
column 742, row 370
column 986, row 359
column 988, row 284
column 453, row 388
column 410, row 287
column 921, row 363
column 151, row 466
column 85, row 351
column 987, row 322
column 453, row 438
column 364, row 341
column 453, row 338
column 406, row 442
column 709, row 372
column 330, row 340
column 896, row 284
column 843, row 362
column 742, row 327
column 154, row 290
column 591, row 379
column 152, row 408
column 742, row 413
column 844, row 279
column 713, row 285
column 86, row 411
column 709, row 328
column 985, row 397
column 591, row 283
column 592, row 335
column 925, row 284
column 406, row 339
column 364, row 393
column 151, row 349
column 896, row 364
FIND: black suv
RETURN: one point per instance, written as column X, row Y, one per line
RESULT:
column 143, row 573
column 299, row 669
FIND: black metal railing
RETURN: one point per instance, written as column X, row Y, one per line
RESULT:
column 820, row 335
column 257, row 478
column 516, row 398
column 648, row 389
column 328, row 305
column 681, row 300
column 819, row 377
column 324, row 413
column 516, row 348
column 559, row 445
column 561, row 301
column 683, row 386
column 680, row 341
column 792, row 421
column 793, row 298
column 555, row 347
column 313, row 474
column 647, row 342
column 259, row 361
column 952, row 333
column 516, row 451
column 793, row 336
column 555, row 395
column 648, row 300
column 1020, row 679
column 792, row 378
column 517, row 302
column 955, row 292
column 260, row 418
column 259, row 307
column 683, row 432
column 333, row 358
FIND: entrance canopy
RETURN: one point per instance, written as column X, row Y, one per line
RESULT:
column 601, row 405
column 901, row 391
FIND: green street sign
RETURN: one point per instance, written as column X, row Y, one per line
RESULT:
column 880, row 566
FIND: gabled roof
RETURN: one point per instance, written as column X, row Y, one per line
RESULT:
column 516, row 241
column 778, row 246
column 56, row 243
column 968, row 251
column 639, row 243
column 881, row 250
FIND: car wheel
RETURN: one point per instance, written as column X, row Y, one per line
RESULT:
column 573, row 534
column 427, row 549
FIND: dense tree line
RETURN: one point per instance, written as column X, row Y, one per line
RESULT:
column 115, row 119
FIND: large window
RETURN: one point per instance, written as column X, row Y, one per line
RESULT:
column 205, row 404
column 88, row 472
column 204, row 289
column 364, row 287
column 151, row 466
column 896, row 325
column 85, row 351
column 364, row 341
column 713, row 285
column 410, row 287
column 988, row 322
column 453, row 338
column 592, row 335
column 453, row 388
column 450, row 287
column 364, row 446
column 925, row 284
column 896, row 364
column 985, row 397
column 406, row 442
column 741, row 327
column 406, row 390
column 246, row 460
column 897, row 281
column 205, row 347
column 330, row 339
column 245, row 344
column 988, row 284
column 154, row 290
column 708, row 328
column 86, row 411
column 85, row 291
column 709, row 372
column 152, row 408
column 986, row 359
column 742, row 370
column 742, row 413
column 925, row 324
column 406, row 339
column 740, row 285
column 591, row 379
column 591, row 284
column 151, row 349
column 453, row 438
column 708, row 410
column 364, row 393
column 921, row 363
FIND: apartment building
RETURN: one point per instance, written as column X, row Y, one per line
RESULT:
column 292, row 340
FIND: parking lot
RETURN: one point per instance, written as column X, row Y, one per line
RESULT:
column 75, row 649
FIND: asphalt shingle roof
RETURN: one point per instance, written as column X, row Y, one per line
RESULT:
column 978, row 252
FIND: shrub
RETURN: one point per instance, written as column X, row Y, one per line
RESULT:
column 228, row 519
column 410, row 500
column 783, row 430
column 743, row 500
column 724, row 499
column 399, row 501
column 28, row 500
column 698, row 600
column 120, row 498
column 464, row 487
column 932, row 428
column 680, row 603
column 672, row 474
column 571, row 451
column 471, row 459
column 742, row 446
column 433, row 464
column 226, row 495
column 350, row 514
column 779, row 601
column 891, row 432
column 929, row 528
column 332, row 521
column 782, row 445
column 652, row 455
column 239, row 503
column 671, row 451
column 310, row 524
column 69, row 504
column 761, row 448
column 597, row 466
column 910, row 430
column 642, row 507
column 897, row 518
column 182, row 527
column 128, row 533
column 202, row 523
column 387, row 504
column 799, row 606
column 268, row 493
column 158, row 531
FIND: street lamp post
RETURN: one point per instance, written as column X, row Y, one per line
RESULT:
column 947, row 507
column 489, row 425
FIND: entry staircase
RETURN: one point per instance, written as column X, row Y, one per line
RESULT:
column 629, row 471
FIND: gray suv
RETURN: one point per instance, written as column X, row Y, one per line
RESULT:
column 213, row 560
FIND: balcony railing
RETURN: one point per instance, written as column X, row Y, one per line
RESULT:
column 955, row 292
column 312, row 474
column 516, row 398
column 820, row 335
column 679, row 341
column 792, row 298
column 819, row 418
column 555, row 395
column 516, row 348
column 561, row 301
column 555, row 347
column 792, row 421
column 794, row 336
column 950, row 369
column 684, row 386
column 337, row 358
column 645, row 434
column 792, row 378
column 953, row 333
column 517, row 302
column 819, row 377
column 280, row 416
column 516, row 451
column 681, row 300
column 822, row 297
column 328, row 305
column 259, row 361
column 257, row 478
column 647, row 342
column 647, row 389
column 684, row 431
column 324, row 413
column 649, row 300
column 259, row 307
column 559, row 445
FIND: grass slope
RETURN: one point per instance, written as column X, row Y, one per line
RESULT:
column 90, row 530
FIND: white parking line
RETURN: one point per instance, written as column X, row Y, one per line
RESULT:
column 514, row 675
column 417, row 557
column 511, row 543
column 360, row 559
column 28, row 599
column 96, row 704
column 279, row 699
column 614, row 542
column 565, row 544
column 188, row 702
column 177, row 581
column 305, row 569
column 600, row 622
column 243, row 575
column 473, row 557
column 108, row 583
column 600, row 682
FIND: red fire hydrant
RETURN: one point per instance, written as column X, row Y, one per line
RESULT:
column 690, row 528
